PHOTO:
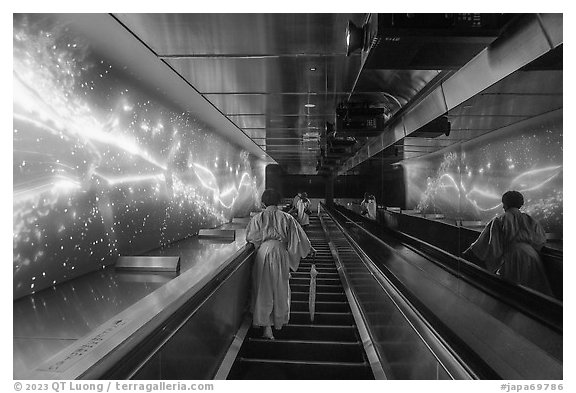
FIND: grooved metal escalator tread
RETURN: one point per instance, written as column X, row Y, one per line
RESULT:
column 328, row 348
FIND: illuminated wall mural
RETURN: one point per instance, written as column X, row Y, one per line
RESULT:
column 103, row 166
column 467, row 181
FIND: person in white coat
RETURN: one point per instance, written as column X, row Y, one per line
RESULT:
column 368, row 206
column 281, row 243
column 510, row 245
column 295, row 201
column 303, row 207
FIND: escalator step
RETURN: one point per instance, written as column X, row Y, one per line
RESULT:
column 318, row 262
column 319, row 281
column 311, row 332
column 328, row 270
column 320, row 275
column 267, row 369
column 306, row 267
column 327, row 351
column 320, row 296
column 321, row 318
column 319, row 288
column 321, row 306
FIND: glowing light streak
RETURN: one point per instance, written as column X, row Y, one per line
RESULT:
column 229, row 191
column 484, row 193
column 208, row 180
column 132, row 179
column 206, row 177
column 71, row 117
column 523, row 180
column 452, row 183
column 65, row 186
column 477, row 206
column 32, row 190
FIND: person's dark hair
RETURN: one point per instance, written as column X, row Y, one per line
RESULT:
column 271, row 197
column 513, row 199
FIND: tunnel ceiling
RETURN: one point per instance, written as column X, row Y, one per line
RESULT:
column 280, row 77
column 260, row 70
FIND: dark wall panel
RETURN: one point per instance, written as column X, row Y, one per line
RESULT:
column 387, row 185
column 289, row 185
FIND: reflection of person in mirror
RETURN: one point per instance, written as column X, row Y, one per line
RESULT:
column 510, row 243
column 295, row 200
column 368, row 206
column 280, row 244
column 303, row 207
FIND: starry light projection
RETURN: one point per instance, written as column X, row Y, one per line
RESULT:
column 102, row 167
column 468, row 181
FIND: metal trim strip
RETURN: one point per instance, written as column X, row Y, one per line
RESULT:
column 233, row 351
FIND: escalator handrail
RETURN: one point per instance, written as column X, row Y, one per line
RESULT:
column 448, row 359
column 142, row 353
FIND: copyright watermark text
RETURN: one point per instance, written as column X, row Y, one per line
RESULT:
column 110, row 386
column 519, row 387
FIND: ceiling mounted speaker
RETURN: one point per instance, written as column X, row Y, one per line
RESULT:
column 354, row 38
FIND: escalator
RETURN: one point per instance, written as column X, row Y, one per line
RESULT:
column 363, row 327
column 328, row 348
column 488, row 334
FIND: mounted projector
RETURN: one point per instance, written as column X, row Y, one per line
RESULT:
column 428, row 41
column 437, row 127
column 359, row 120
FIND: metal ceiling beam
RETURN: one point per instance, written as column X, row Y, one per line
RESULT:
column 247, row 56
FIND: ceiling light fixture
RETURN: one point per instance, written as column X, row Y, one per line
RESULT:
column 354, row 37
column 309, row 105
column 312, row 68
